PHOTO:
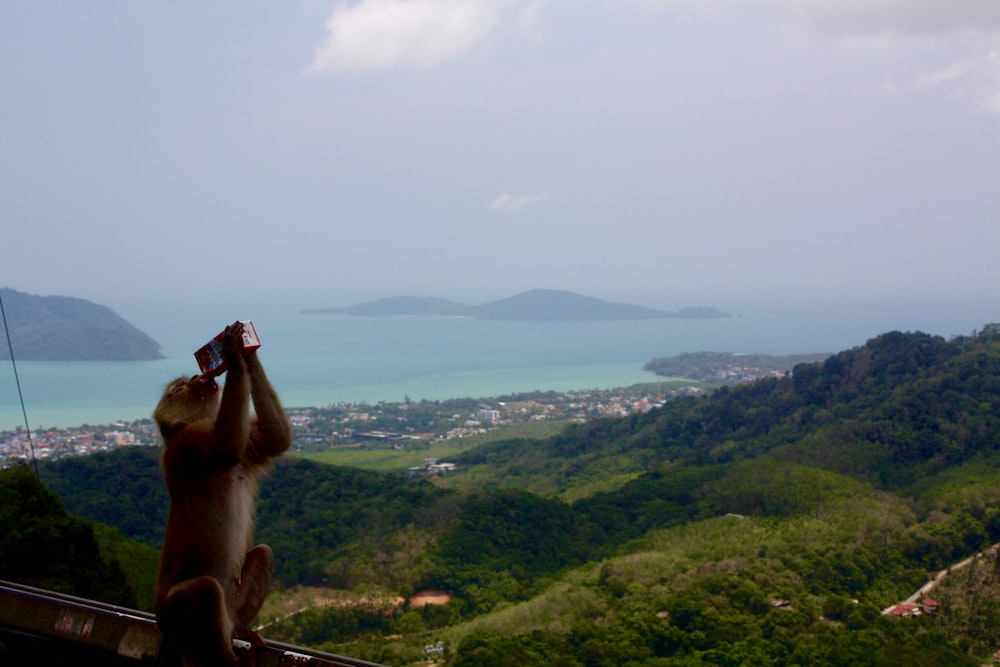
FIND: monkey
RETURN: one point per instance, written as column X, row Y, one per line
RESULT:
column 211, row 581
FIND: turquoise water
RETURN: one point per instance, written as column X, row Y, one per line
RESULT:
column 317, row 360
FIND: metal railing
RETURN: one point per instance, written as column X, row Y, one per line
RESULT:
column 43, row 627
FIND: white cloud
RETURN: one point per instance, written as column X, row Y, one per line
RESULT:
column 989, row 93
column 507, row 203
column 391, row 34
column 944, row 75
column 853, row 18
column 975, row 78
column 967, row 27
column 529, row 20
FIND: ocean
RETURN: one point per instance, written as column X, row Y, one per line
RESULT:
column 319, row 360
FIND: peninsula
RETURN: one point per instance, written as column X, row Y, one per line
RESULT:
column 533, row 305
column 62, row 328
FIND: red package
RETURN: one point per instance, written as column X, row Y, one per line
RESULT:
column 209, row 356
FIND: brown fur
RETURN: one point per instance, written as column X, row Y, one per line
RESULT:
column 211, row 582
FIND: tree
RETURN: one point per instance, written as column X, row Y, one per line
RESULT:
column 42, row 545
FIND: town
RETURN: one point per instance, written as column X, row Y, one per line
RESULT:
column 419, row 424
column 405, row 424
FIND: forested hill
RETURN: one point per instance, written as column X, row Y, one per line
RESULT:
column 891, row 412
column 306, row 511
column 61, row 328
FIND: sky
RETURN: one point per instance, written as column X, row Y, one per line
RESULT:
column 667, row 152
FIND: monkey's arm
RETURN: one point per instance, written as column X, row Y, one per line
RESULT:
column 232, row 425
column 271, row 434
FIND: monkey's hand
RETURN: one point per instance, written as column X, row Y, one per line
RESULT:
column 232, row 342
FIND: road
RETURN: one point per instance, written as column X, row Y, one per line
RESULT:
column 924, row 590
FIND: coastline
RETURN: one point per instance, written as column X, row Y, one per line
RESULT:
column 126, row 406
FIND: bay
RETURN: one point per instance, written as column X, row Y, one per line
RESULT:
column 318, row 360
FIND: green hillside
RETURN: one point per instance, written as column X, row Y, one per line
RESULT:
column 892, row 412
column 44, row 546
column 764, row 524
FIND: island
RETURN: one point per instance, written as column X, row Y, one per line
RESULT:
column 533, row 305
column 62, row 328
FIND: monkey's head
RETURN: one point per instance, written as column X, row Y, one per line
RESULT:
column 186, row 400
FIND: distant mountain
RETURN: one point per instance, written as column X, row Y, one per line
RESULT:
column 401, row 305
column 541, row 304
column 62, row 328
column 537, row 304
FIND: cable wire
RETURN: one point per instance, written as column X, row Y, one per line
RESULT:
column 17, row 379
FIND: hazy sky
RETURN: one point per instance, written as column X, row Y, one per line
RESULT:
column 326, row 152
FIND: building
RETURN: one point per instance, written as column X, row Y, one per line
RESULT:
column 488, row 415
